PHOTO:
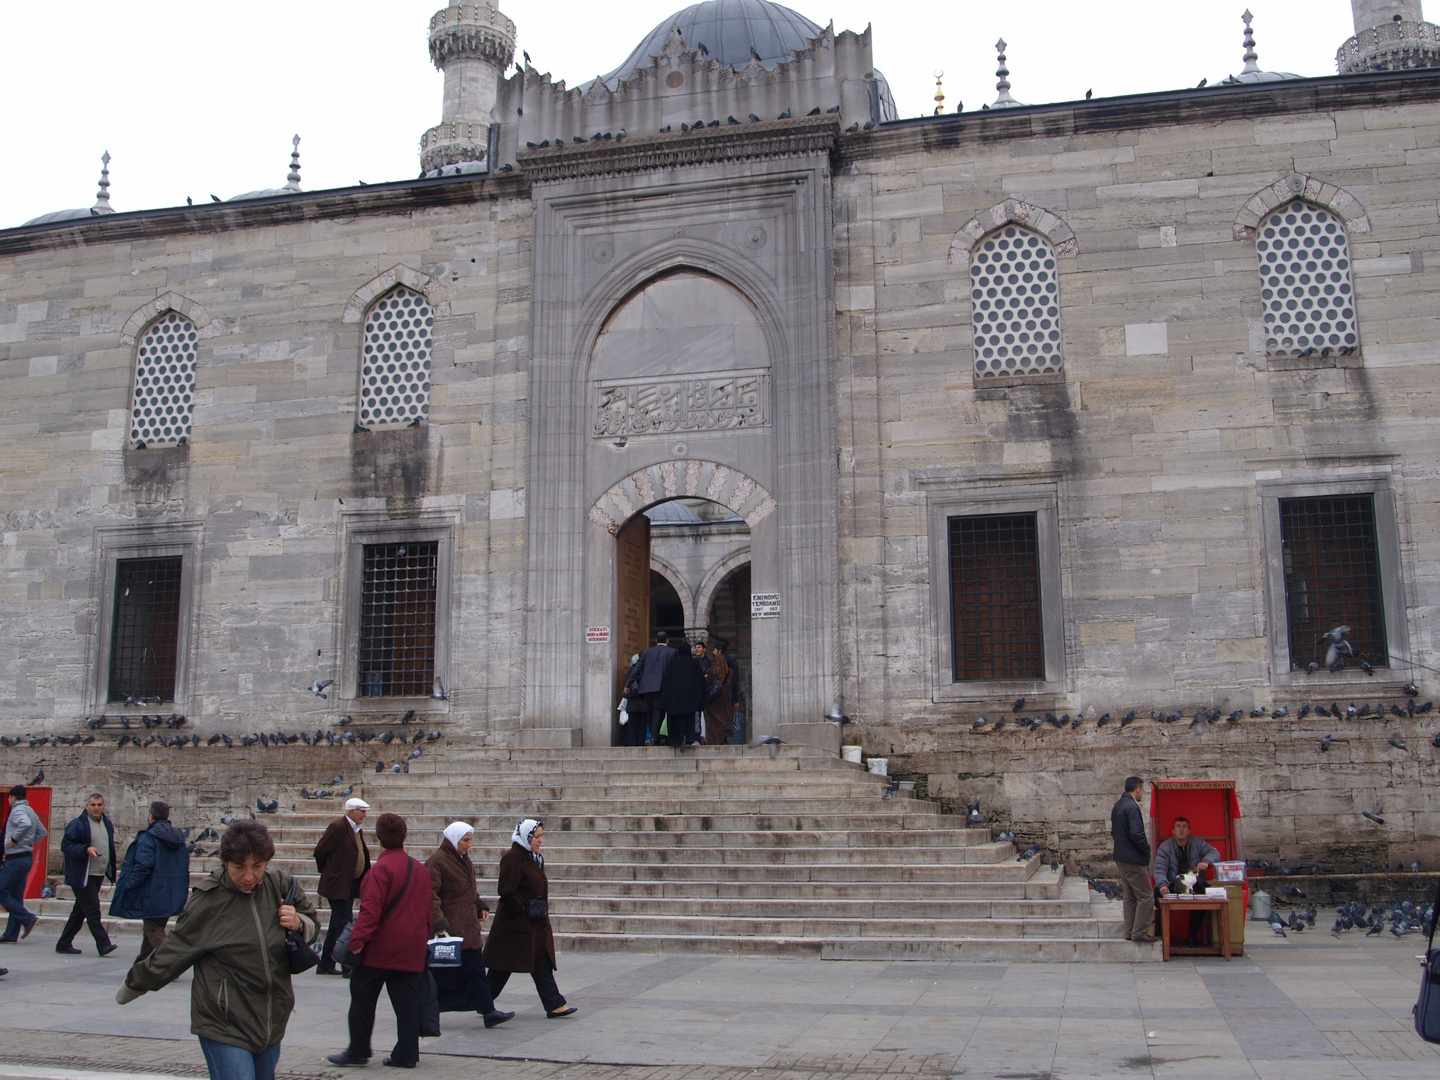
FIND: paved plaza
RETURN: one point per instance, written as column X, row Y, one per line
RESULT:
column 1313, row 1007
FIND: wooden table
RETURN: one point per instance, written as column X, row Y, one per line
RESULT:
column 1219, row 905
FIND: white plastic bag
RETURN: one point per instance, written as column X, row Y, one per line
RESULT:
column 624, row 711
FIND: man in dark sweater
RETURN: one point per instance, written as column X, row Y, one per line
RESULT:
column 1132, row 857
column 89, row 849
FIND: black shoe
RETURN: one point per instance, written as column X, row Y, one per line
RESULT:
column 106, row 950
column 4, row 971
column 8, row 940
column 494, row 1018
column 327, row 971
column 25, row 930
column 567, row 1010
column 68, row 950
column 345, row 1059
column 398, row 1064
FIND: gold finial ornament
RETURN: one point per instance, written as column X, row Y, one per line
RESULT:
column 939, row 92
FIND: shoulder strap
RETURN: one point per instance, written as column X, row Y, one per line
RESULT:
column 290, row 892
column 409, row 865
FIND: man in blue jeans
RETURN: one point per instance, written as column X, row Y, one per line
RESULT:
column 22, row 830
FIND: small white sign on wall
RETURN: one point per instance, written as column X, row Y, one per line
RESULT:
column 597, row 635
column 765, row 605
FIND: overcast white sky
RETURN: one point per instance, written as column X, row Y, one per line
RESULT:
column 194, row 98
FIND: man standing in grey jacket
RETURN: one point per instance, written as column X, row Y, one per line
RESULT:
column 1132, row 857
column 22, row 830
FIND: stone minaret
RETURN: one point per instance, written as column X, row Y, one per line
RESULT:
column 1390, row 35
column 473, row 45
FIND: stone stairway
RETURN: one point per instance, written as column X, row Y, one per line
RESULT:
column 727, row 850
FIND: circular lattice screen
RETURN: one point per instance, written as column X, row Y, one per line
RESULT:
column 395, row 374
column 164, row 382
column 1016, row 298
column 1305, row 283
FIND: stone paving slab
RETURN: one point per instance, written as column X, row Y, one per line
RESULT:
column 1318, row 1007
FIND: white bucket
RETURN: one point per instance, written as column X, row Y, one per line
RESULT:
column 880, row 766
column 851, row 753
column 1260, row 906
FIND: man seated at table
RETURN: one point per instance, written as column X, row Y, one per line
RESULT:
column 1179, row 855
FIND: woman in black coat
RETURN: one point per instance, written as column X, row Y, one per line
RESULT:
column 517, row 942
column 682, row 695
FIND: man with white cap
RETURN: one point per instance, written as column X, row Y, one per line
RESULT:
column 342, row 858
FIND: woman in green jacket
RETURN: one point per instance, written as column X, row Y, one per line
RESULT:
column 232, row 932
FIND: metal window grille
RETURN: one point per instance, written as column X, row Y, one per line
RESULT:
column 1332, row 576
column 996, row 626
column 397, row 619
column 145, row 633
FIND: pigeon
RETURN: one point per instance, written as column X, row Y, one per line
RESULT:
column 1028, row 854
column 318, row 687
column 1415, row 866
column 974, row 815
column 1282, row 711
column 394, row 768
column 772, row 741
column 1292, row 890
column 386, row 737
column 753, row 118
column 1365, row 667
column 409, row 715
column 1304, row 712
column 433, row 736
column 212, row 740
column 1201, row 86
column 1128, row 718
column 414, row 754
column 416, row 737
column 1397, row 742
column 1325, row 744
column 1426, row 707
column 999, row 724
column 437, row 692
column 339, row 779
column 1375, row 817
column 267, row 808
column 1378, row 928
column 39, row 778
column 1260, row 711
column 893, row 787
column 1411, row 689
column 1312, row 667
column 1019, row 704
column 1105, row 719
column 979, row 723
column 1006, row 837
column 379, row 766
column 346, row 719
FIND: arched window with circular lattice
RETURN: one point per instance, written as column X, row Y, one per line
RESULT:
column 1305, row 283
column 1015, row 298
column 395, row 361
column 164, row 383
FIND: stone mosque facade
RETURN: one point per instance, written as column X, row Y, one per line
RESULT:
column 1111, row 405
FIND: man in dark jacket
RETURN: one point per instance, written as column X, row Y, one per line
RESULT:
column 1132, row 856
column 653, row 662
column 154, row 878
column 682, row 695
column 389, row 937
column 343, row 858
column 89, row 849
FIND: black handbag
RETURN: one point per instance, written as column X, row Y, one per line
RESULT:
column 341, row 952
column 1427, row 1006
column 536, row 909
column 298, row 951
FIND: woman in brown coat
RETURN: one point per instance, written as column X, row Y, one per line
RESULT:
column 518, row 942
column 457, row 910
column 718, row 707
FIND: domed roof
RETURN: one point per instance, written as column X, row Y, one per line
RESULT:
column 729, row 30
column 102, row 202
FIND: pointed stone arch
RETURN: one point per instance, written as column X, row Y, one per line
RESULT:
column 705, row 595
column 690, row 616
column 399, row 274
column 682, row 478
column 1013, row 212
column 1307, row 189
column 170, row 301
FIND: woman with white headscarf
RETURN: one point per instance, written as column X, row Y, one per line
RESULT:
column 457, row 909
column 521, row 939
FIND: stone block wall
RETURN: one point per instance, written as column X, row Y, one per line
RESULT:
column 1168, row 419
column 273, row 473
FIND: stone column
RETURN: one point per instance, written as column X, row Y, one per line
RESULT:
column 473, row 44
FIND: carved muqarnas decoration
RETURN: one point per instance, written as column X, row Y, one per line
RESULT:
column 700, row 403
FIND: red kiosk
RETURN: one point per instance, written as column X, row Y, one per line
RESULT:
column 39, row 800
column 1213, row 811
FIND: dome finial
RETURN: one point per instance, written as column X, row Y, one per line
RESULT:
column 939, row 91
column 1003, row 99
column 292, row 181
column 1250, row 56
column 102, row 197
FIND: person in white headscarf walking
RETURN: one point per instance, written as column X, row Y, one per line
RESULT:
column 457, row 910
column 521, row 939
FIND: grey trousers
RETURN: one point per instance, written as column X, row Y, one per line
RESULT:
column 1138, row 897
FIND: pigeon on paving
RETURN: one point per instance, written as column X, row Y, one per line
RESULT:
column 1028, row 854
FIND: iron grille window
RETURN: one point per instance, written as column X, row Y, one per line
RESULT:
column 145, row 634
column 996, row 625
column 1332, row 576
column 397, row 619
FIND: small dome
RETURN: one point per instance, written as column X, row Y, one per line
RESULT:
column 69, row 215
column 673, row 512
column 263, row 193
column 731, row 30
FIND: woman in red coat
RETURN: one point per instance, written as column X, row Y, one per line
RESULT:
column 518, row 942
column 388, row 944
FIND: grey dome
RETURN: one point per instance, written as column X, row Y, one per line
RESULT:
column 673, row 512
column 263, row 193
column 729, row 30
column 70, row 215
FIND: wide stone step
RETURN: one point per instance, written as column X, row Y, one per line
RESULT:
column 723, row 926
column 1038, row 950
column 881, row 905
column 400, row 798
column 1038, row 889
column 492, row 830
column 441, row 803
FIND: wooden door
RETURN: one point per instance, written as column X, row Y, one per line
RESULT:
column 632, row 597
